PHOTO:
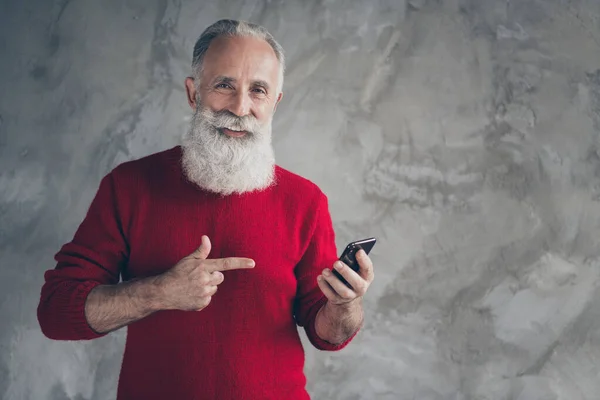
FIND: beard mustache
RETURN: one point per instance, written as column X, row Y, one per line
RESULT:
column 223, row 164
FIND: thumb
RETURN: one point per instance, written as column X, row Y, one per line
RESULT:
column 204, row 249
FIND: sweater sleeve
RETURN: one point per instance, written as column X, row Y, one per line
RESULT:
column 321, row 253
column 94, row 257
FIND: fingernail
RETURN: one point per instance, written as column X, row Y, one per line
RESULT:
column 250, row 263
column 326, row 272
column 338, row 265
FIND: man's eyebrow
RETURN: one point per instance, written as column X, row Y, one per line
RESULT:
column 262, row 83
column 228, row 80
column 223, row 79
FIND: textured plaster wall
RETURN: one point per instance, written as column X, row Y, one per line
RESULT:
column 464, row 134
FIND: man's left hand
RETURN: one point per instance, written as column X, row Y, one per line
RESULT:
column 336, row 291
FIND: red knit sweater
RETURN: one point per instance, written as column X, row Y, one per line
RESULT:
column 245, row 344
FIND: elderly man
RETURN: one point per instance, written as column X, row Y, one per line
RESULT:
column 221, row 252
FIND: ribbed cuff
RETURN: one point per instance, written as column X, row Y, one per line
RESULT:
column 311, row 330
column 70, row 310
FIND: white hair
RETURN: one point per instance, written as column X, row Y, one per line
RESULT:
column 226, row 165
column 234, row 28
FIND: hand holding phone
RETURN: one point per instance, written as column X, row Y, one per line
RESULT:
column 348, row 256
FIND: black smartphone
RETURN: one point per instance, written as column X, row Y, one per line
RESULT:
column 348, row 256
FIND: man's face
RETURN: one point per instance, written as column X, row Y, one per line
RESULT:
column 227, row 148
column 239, row 75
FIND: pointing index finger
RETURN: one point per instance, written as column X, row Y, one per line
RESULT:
column 230, row 263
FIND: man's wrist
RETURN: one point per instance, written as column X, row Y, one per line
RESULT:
column 338, row 322
column 345, row 308
column 150, row 295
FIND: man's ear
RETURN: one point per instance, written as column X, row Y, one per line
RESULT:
column 277, row 102
column 190, row 90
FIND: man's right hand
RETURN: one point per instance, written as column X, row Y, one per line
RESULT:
column 192, row 282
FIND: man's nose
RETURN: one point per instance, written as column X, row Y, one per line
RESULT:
column 240, row 104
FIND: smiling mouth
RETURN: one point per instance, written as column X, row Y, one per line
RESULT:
column 232, row 133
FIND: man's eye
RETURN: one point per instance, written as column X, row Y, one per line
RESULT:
column 259, row 90
column 222, row 86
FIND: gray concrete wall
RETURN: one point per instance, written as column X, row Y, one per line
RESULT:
column 462, row 133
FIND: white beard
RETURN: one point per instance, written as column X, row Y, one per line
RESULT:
column 225, row 165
